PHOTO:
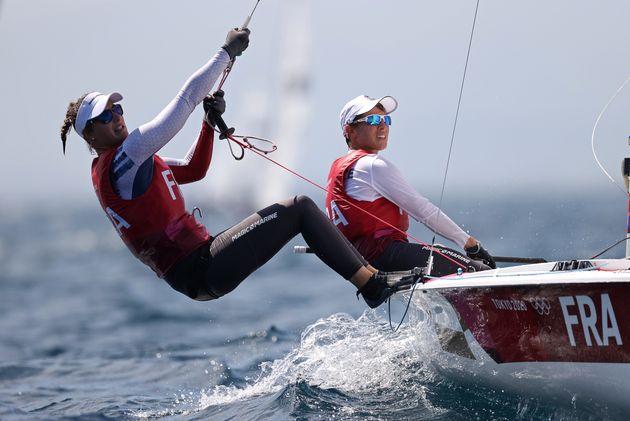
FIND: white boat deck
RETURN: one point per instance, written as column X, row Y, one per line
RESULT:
column 609, row 270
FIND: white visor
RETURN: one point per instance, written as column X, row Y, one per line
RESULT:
column 92, row 106
column 363, row 104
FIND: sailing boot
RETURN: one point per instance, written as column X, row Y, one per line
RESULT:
column 382, row 285
column 477, row 266
column 401, row 278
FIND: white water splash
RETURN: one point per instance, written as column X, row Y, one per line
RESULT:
column 350, row 355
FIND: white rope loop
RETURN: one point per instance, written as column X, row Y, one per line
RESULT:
column 599, row 117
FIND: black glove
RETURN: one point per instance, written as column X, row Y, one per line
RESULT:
column 213, row 105
column 236, row 42
column 477, row 252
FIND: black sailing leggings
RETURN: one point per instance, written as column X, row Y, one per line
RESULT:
column 217, row 268
column 400, row 255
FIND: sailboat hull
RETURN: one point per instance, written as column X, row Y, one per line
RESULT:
column 535, row 329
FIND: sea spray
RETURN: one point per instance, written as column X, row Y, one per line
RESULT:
column 352, row 356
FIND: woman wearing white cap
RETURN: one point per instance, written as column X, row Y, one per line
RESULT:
column 370, row 202
column 139, row 192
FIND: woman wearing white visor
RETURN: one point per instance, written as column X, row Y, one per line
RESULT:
column 138, row 190
column 370, row 202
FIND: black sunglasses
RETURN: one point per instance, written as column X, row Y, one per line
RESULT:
column 108, row 115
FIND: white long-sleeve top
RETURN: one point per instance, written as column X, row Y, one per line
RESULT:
column 375, row 177
column 132, row 165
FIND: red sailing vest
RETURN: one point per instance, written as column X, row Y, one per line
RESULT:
column 368, row 234
column 155, row 226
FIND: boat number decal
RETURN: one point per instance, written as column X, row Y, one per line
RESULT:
column 541, row 305
column 599, row 324
column 512, row 304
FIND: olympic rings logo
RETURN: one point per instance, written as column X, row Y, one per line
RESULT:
column 541, row 305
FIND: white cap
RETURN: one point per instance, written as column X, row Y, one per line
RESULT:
column 363, row 104
column 92, row 106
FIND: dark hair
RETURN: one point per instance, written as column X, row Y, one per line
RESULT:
column 68, row 122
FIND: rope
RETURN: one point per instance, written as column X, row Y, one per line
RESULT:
column 625, row 192
column 247, row 145
column 448, row 160
column 450, row 149
column 284, row 167
column 389, row 307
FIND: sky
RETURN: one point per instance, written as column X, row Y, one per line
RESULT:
column 538, row 76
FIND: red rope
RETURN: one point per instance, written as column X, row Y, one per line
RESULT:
column 262, row 154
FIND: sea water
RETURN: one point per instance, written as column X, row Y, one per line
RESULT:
column 87, row 332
